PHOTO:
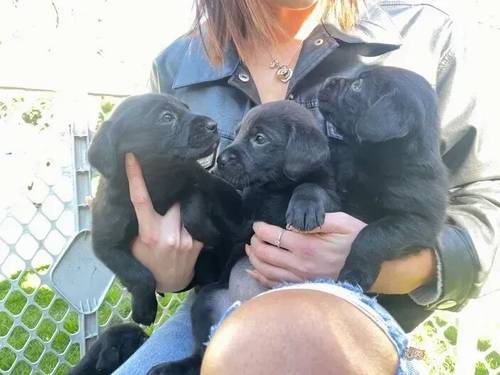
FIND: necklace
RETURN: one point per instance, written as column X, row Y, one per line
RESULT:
column 284, row 72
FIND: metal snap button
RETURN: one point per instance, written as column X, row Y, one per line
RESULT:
column 291, row 97
column 318, row 42
column 243, row 77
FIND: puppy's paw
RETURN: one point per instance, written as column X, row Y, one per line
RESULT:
column 144, row 310
column 187, row 366
column 358, row 276
column 304, row 213
column 162, row 369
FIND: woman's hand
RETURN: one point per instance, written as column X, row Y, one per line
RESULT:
column 321, row 253
column 163, row 245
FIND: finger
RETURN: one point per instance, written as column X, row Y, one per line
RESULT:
column 197, row 246
column 339, row 222
column 271, row 234
column 138, row 247
column 262, row 279
column 139, row 195
column 186, row 241
column 274, row 256
column 172, row 226
column 271, row 272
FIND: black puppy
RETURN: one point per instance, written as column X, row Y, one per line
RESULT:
column 167, row 139
column 114, row 346
column 280, row 161
column 389, row 120
column 280, row 157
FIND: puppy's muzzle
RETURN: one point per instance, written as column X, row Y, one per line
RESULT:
column 205, row 124
column 226, row 158
column 211, row 126
column 203, row 132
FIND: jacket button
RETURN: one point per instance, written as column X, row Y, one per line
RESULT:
column 291, row 97
column 243, row 77
column 318, row 42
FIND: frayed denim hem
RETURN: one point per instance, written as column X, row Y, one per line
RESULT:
column 215, row 327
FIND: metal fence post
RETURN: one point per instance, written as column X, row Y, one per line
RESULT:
column 83, row 190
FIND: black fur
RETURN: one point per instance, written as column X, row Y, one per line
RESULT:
column 167, row 139
column 114, row 346
column 281, row 162
column 390, row 170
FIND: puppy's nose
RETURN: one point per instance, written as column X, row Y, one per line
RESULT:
column 211, row 125
column 225, row 158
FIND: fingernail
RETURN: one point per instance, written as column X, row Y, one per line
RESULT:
column 129, row 158
column 256, row 224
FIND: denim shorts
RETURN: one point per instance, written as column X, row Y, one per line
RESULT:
column 368, row 305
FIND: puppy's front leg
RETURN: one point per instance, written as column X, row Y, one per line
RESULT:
column 229, row 204
column 207, row 310
column 226, row 207
column 308, row 205
column 196, row 218
column 138, row 280
column 387, row 238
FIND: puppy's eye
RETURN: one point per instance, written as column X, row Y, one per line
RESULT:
column 167, row 117
column 356, row 85
column 259, row 139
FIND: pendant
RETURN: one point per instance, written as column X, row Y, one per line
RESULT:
column 284, row 73
column 274, row 64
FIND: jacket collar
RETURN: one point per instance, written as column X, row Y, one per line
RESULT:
column 374, row 28
column 196, row 68
column 374, row 31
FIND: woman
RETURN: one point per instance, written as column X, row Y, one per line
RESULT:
column 260, row 51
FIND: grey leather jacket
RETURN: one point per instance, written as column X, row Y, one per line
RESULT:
column 416, row 35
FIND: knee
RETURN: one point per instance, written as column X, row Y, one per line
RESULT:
column 299, row 332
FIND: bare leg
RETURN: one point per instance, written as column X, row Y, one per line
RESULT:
column 297, row 332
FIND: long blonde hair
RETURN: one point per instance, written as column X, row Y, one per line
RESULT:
column 248, row 23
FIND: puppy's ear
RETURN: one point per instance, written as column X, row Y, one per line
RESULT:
column 236, row 129
column 306, row 150
column 108, row 360
column 102, row 150
column 383, row 121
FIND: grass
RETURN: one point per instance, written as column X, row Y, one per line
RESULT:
column 50, row 321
